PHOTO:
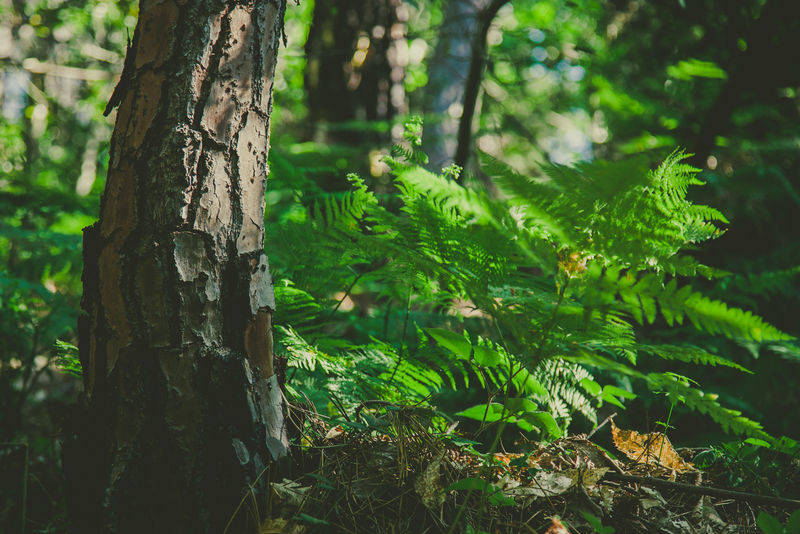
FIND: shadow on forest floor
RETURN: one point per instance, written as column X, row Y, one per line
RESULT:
column 389, row 473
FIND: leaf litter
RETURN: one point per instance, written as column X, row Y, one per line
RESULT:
column 405, row 478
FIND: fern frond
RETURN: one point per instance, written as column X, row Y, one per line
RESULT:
column 296, row 306
column 690, row 354
column 303, row 355
column 641, row 292
column 569, row 267
column 716, row 317
column 344, row 210
column 561, row 380
column 679, row 390
column 744, row 288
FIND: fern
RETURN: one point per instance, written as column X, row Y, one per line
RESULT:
column 690, row 354
column 565, row 273
column 561, row 380
column 644, row 293
column 678, row 390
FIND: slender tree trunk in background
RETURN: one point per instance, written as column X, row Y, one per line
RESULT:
column 355, row 69
column 473, row 84
column 753, row 73
column 447, row 74
column 182, row 409
column 455, row 74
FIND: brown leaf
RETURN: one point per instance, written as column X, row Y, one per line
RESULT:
column 588, row 477
column 334, row 432
column 557, row 527
column 653, row 448
column 506, row 457
column 428, row 485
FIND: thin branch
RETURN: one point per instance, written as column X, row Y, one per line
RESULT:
column 403, row 339
column 601, row 425
column 705, row 490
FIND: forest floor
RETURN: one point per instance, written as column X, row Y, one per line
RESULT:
column 352, row 478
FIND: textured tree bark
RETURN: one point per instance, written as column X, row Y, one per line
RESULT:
column 182, row 410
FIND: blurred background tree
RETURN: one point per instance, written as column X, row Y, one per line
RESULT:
column 564, row 81
column 58, row 62
column 354, row 75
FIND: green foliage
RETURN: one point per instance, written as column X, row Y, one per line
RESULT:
column 575, row 286
column 67, row 359
column 534, row 296
column 53, row 153
column 769, row 525
column 596, row 524
column 753, row 465
column 494, row 494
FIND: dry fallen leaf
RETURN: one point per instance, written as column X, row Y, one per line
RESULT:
column 557, row 527
column 290, row 492
column 334, row 432
column 280, row 526
column 543, row 484
column 506, row 457
column 588, row 477
column 653, row 448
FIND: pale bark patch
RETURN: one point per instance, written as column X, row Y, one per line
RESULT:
column 190, row 256
column 267, row 12
column 252, row 151
column 262, row 293
column 214, row 214
column 201, row 296
column 232, row 88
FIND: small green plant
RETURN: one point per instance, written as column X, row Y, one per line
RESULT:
column 752, row 464
column 67, row 360
column 493, row 494
column 770, row 525
column 596, row 524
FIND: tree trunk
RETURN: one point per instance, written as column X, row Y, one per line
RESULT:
column 455, row 75
column 182, row 410
column 355, row 72
column 447, row 76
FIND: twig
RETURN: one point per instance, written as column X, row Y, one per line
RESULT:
column 366, row 403
column 601, row 425
column 339, row 405
column 402, row 339
column 705, row 490
column 346, row 294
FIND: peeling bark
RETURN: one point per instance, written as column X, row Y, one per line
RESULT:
column 182, row 410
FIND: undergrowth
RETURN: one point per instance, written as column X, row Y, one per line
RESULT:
column 542, row 295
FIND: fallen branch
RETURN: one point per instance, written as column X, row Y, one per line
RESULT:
column 705, row 490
